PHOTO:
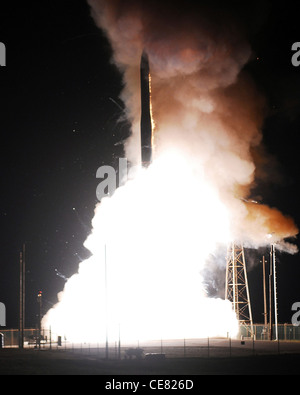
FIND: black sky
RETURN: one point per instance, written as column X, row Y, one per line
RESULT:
column 59, row 123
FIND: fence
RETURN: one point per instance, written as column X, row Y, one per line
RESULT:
column 289, row 342
column 286, row 332
column 11, row 336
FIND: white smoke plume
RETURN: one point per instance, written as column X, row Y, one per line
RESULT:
column 202, row 102
column 159, row 229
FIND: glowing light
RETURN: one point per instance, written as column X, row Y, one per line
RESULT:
column 157, row 231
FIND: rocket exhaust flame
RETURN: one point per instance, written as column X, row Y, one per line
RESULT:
column 193, row 198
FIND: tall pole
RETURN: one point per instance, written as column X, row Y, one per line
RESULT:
column 265, row 293
column 21, row 343
column 234, row 281
column 275, row 291
column 39, row 300
column 106, row 306
column 119, row 346
column 22, row 298
column 270, row 297
column 23, row 276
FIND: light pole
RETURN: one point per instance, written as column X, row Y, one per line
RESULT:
column 273, row 276
column 39, row 300
column 106, row 306
column 22, row 298
column 265, row 295
column 273, row 262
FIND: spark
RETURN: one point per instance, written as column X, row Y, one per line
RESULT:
column 61, row 275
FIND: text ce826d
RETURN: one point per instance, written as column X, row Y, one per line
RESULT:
column 171, row 384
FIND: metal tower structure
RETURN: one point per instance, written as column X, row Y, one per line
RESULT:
column 237, row 290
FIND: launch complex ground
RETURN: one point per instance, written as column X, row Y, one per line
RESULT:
column 182, row 357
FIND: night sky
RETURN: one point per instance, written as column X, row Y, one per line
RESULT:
column 60, row 121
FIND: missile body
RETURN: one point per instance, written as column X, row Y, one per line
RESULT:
column 146, row 124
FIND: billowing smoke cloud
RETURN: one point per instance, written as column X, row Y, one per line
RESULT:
column 203, row 103
column 165, row 231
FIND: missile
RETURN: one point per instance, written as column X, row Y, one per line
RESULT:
column 146, row 123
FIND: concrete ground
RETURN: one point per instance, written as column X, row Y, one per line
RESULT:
column 64, row 362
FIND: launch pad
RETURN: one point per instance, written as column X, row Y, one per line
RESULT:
column 196, row 359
